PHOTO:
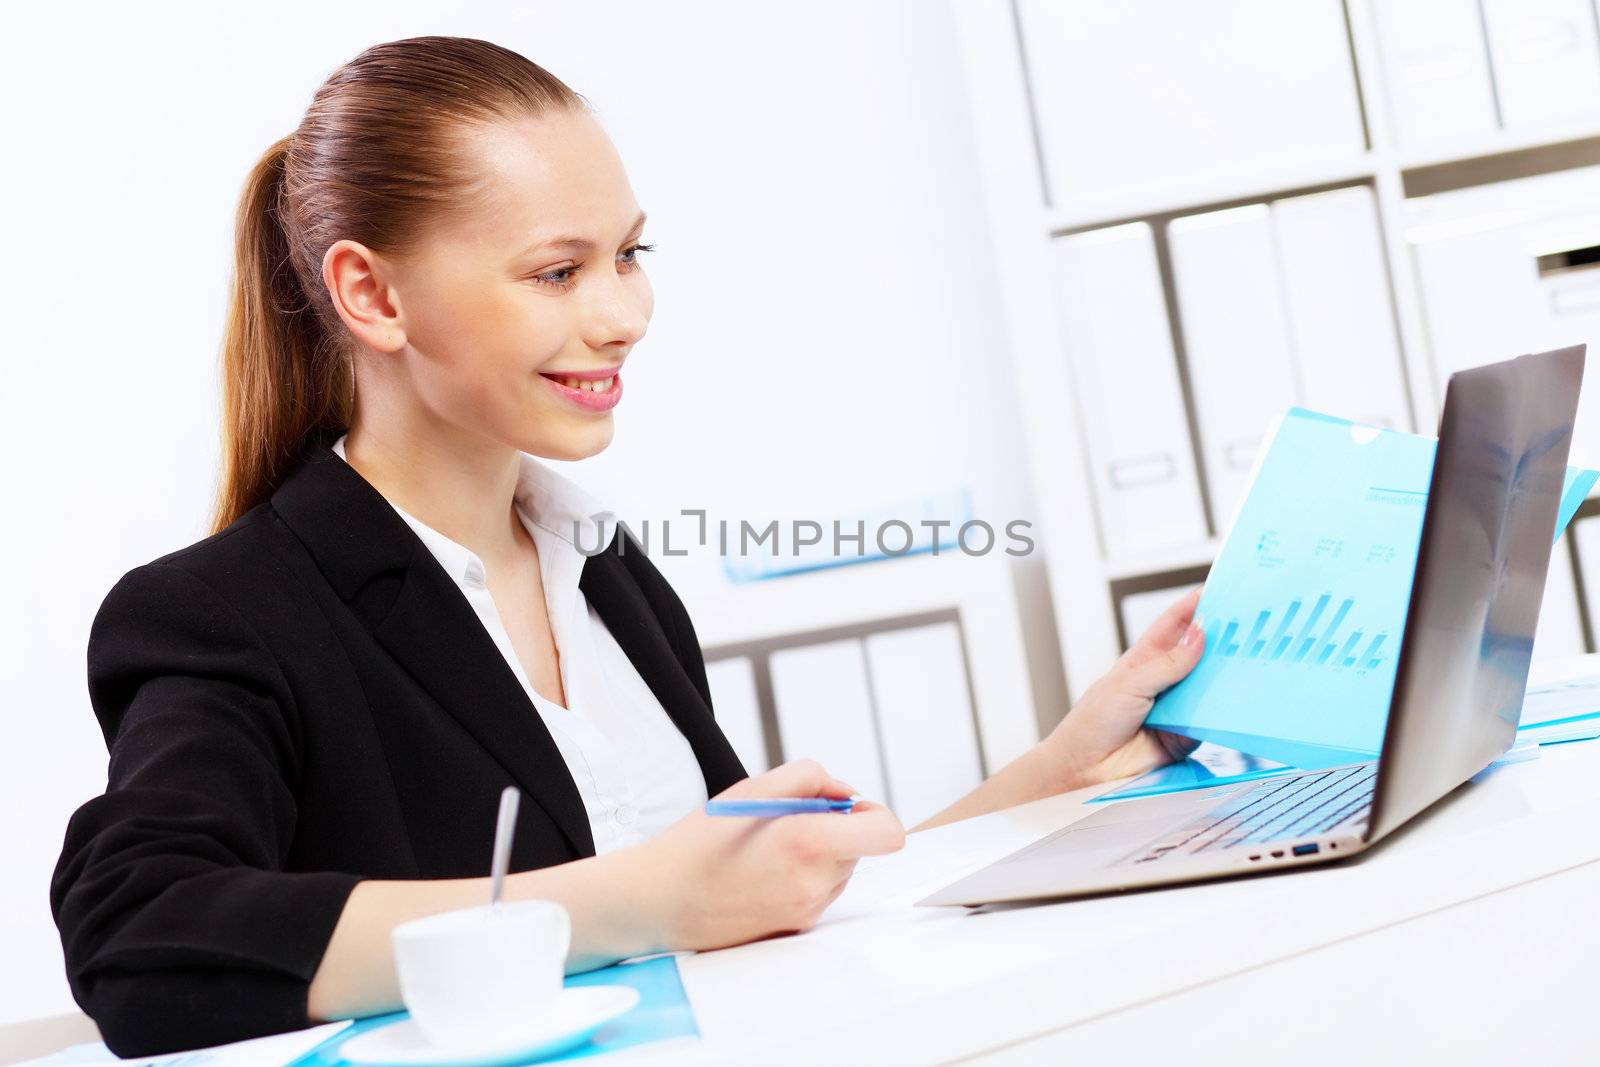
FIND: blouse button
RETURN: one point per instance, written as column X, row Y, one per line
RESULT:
column 625, row 814
column 475, row 573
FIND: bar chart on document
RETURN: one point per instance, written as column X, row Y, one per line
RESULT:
column 1303, row 609
column 1330, row 647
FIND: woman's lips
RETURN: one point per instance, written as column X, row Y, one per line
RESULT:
column 589, row 390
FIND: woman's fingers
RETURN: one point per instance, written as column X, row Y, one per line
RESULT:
column 1168, row 629
column 1176, row 746
column 838, row 888
column 870, row 830
column 1171, row 623
column 1160, row 670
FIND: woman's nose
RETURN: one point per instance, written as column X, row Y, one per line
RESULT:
column 618, row 312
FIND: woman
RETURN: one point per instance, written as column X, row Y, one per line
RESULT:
column 311, row 712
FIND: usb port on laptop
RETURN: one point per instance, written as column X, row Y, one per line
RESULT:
column 1306, row 850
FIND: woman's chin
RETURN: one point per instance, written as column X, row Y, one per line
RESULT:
column 576, row 442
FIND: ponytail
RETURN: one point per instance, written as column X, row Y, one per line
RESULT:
column 376, row 159
column 281, row 376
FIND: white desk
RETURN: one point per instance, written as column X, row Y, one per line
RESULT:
column 1505, row 978
column 1472, row 931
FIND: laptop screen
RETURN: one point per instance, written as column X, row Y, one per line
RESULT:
column 1479, row 583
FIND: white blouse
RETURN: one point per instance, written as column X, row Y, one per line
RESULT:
column 634, row 769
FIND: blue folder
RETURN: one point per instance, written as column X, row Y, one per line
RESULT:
column 1208, row 766
column 1304, row 608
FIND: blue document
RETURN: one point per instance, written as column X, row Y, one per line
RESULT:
column 1304, row 607
column 1561, row 709
column 662, row 1012
column 1207, row 766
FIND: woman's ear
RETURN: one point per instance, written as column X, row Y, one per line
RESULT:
column 358, row 284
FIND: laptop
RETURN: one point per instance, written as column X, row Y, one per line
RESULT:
column 1459, row 684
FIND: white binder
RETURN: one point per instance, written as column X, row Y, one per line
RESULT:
column 1236, row 335
column 1119, row 344
column 1130, row 94
column 1560, row 628
column 1546, row 60
column 930, row 740
column 1336, row 286
column 824, row 708
column 1436, row 68
column 738, row 710
column 1502, row 270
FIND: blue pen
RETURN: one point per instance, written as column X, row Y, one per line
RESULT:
column 769, row 808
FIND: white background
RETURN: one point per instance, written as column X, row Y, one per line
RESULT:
column 826, row 334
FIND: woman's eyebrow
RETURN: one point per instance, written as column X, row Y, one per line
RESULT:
column 577, row 244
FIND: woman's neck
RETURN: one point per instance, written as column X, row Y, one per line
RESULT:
column 461, row 486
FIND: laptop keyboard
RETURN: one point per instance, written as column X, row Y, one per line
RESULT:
column 1276, row 810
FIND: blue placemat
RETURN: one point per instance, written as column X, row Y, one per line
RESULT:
column 662, row 1012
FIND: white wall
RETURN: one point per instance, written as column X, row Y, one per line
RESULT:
column 825, row 338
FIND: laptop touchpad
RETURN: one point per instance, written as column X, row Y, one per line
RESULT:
column 1111, row 833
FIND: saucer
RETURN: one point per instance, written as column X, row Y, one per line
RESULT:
column 571, row 1020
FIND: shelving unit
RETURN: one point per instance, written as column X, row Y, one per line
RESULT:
column 996, row 54
column 757, row 619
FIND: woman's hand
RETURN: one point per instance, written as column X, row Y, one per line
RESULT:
column 703, row 882
column 1103, row 736
column 710, row 881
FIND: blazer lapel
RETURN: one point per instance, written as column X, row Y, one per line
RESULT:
column 434, row 633
column 395, row 585
column 609, row 586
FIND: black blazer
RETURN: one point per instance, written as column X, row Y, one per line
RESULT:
column 295, row 703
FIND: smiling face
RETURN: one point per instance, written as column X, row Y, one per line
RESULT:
column 518, row 310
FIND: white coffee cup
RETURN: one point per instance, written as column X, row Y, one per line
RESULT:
column 480, row 976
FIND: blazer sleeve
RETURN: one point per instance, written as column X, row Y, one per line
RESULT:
column 179, row 924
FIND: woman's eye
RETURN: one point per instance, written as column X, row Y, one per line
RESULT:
column 558, row 278
column 562, row 278
column 630, row 255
